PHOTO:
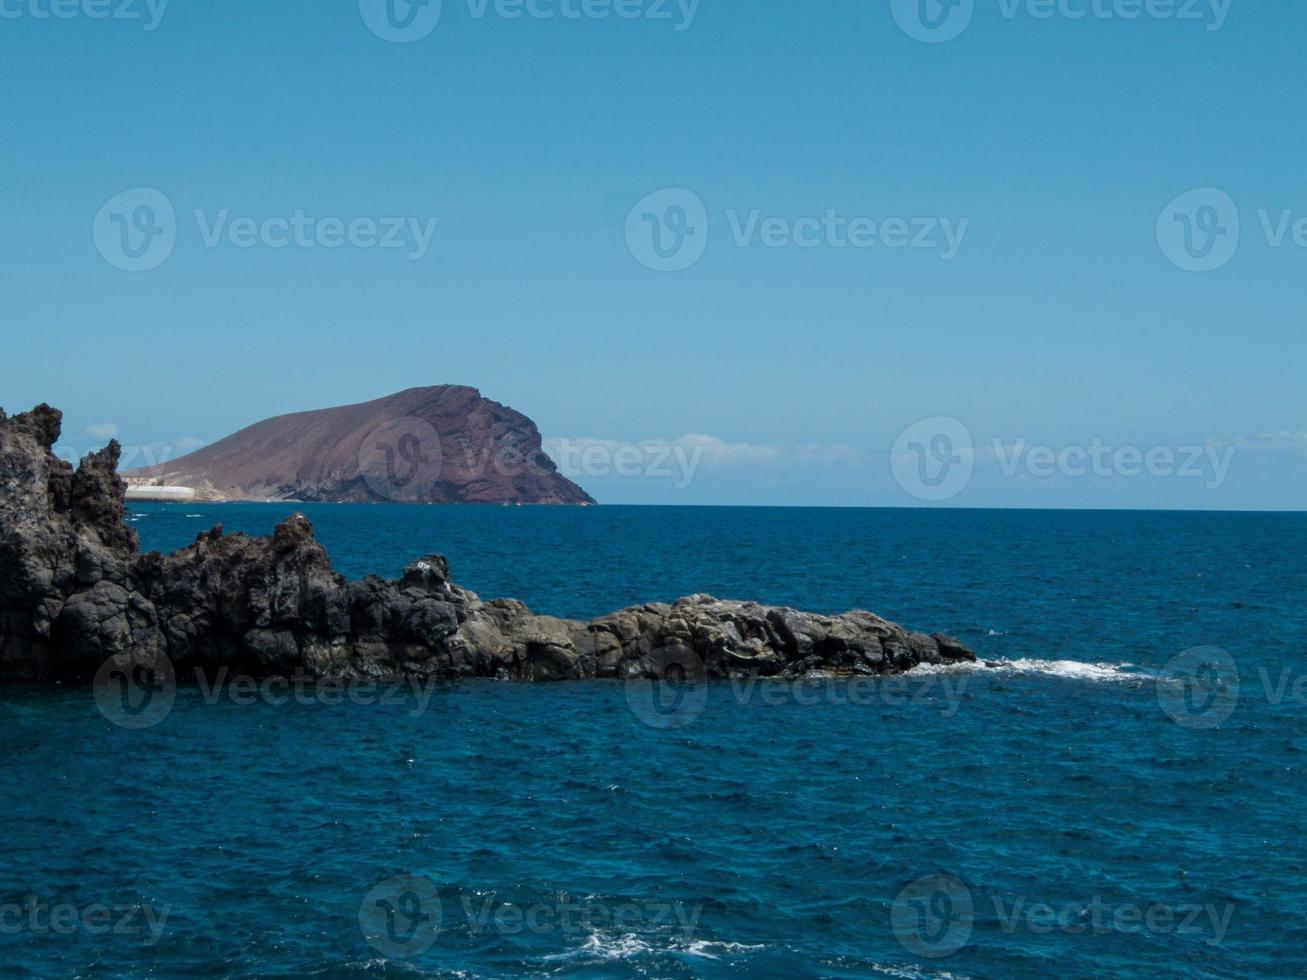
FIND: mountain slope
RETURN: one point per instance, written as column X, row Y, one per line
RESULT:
column 444, row 444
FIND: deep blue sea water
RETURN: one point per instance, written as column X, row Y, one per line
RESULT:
column 1076, row 811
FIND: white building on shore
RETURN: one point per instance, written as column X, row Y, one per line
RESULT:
column 148, row 491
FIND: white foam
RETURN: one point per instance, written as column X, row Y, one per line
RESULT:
column 386, row 965
column 715, row 951
column 606, row 948
column 1072, row 669
column 912, row 973
column 628, row 946
column 1069, row 669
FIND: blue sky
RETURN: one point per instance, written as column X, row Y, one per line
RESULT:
column 1061, row 316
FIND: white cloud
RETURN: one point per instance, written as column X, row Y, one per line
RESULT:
column 721, row 453
column 1269, row 442
column 102, row 430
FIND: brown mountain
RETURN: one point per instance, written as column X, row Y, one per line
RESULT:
column 444, row 445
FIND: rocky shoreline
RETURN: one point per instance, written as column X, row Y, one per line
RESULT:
column 75, row 591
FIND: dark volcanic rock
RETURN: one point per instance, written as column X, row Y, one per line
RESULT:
column 425, row 445
column 74, row 591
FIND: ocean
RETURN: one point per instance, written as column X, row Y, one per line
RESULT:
column 1122, row 793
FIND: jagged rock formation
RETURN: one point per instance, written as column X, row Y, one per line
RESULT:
column 74, row 591
column 440, row 445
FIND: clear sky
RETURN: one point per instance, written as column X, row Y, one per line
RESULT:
column 1033, row 158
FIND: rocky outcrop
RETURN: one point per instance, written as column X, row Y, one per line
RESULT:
column 74, row 591
column 439, row 445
